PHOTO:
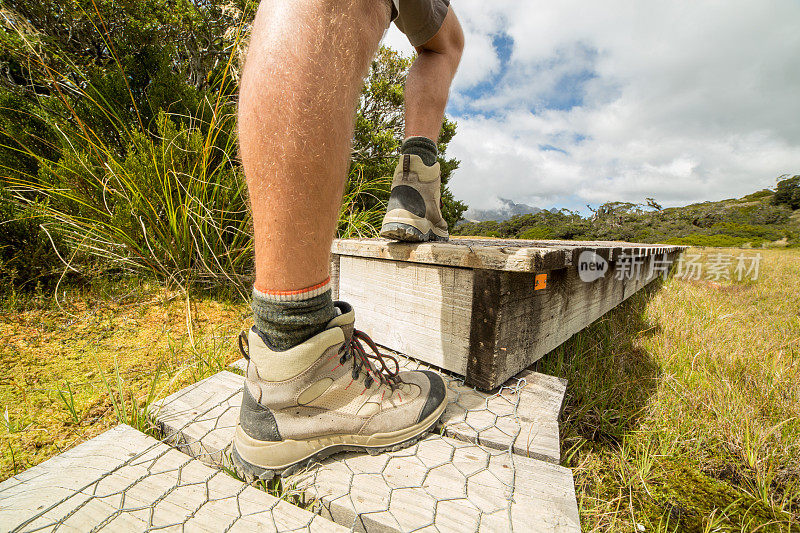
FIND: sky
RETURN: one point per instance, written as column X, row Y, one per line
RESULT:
column 568, row 103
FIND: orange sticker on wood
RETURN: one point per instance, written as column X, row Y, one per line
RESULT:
column 540, row 282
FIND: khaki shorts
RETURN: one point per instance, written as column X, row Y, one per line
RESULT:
column 420, row 20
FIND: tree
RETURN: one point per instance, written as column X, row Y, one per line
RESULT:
column 787, row 192
column 651, row 202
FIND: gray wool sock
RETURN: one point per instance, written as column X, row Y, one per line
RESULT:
column 286, row 321
column 421, row 146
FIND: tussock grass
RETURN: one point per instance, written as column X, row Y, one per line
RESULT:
column 355, row 220
column 683, row 407
column 164, row 197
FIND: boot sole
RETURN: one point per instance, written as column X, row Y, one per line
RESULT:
column 397, row 440
column 402, row 225
column 407, row 233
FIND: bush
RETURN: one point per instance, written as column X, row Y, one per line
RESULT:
column 748, row 231
column 536, row 233
column 787, row 193
column 758, row 195
column 27, row 255
column 721, row 241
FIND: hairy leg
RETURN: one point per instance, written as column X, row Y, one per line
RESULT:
column 298, row 95
column 428, row 82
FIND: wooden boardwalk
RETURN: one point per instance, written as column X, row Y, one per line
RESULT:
column 124, row 480
column 492, row 466
column 487, row 309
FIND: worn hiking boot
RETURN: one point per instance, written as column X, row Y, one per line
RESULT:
column 328, row 395
column 414, row 210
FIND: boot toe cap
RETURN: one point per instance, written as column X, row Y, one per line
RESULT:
column 437, row 394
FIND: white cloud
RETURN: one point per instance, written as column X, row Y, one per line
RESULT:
column 482, row 60
column 684, row 101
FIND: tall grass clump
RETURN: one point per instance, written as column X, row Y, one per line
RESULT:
column 165, row 196
column 362, row 207
column 174, row 204
column 128, row 160
column 683, row 406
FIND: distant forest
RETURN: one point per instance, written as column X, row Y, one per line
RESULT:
column 764, row 218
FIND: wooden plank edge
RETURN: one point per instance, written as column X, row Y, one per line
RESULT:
column 454, row 255
column 501, row 257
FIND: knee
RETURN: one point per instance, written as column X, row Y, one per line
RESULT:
column 455, row 51
column 449, row 41
column 455, row 46
column 456, row 39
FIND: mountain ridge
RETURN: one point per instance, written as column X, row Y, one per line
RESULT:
column 507, row 209
column 765, row 217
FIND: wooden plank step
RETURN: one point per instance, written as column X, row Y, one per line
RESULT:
column 442, row 483
column 522, row 415
column 124, row 480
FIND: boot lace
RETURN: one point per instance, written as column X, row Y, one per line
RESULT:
column 373, row 364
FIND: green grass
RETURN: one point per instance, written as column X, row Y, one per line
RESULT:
column 69, row 401
column 97, row 356
column 683, row 406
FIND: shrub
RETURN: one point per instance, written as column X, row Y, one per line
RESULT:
column 787, row 193
column 28, row 255
column 749, row 231
column 758, row 195
column 536, row 233
column 723, row 241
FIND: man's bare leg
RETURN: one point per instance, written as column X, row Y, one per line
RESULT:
column 428, row 82
column 413, row 212
column 299, row 91
column 310, row 387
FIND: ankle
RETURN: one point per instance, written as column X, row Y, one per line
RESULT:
column 424, row 147
column 285, row 319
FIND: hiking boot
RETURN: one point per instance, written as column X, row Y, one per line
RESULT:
column 328, row 395
column 414, row 210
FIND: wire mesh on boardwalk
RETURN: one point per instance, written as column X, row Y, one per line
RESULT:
column 441, row 483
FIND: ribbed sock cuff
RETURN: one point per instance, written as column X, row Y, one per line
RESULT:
column 423, row 147
column 288, row 318
column 296, row 295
